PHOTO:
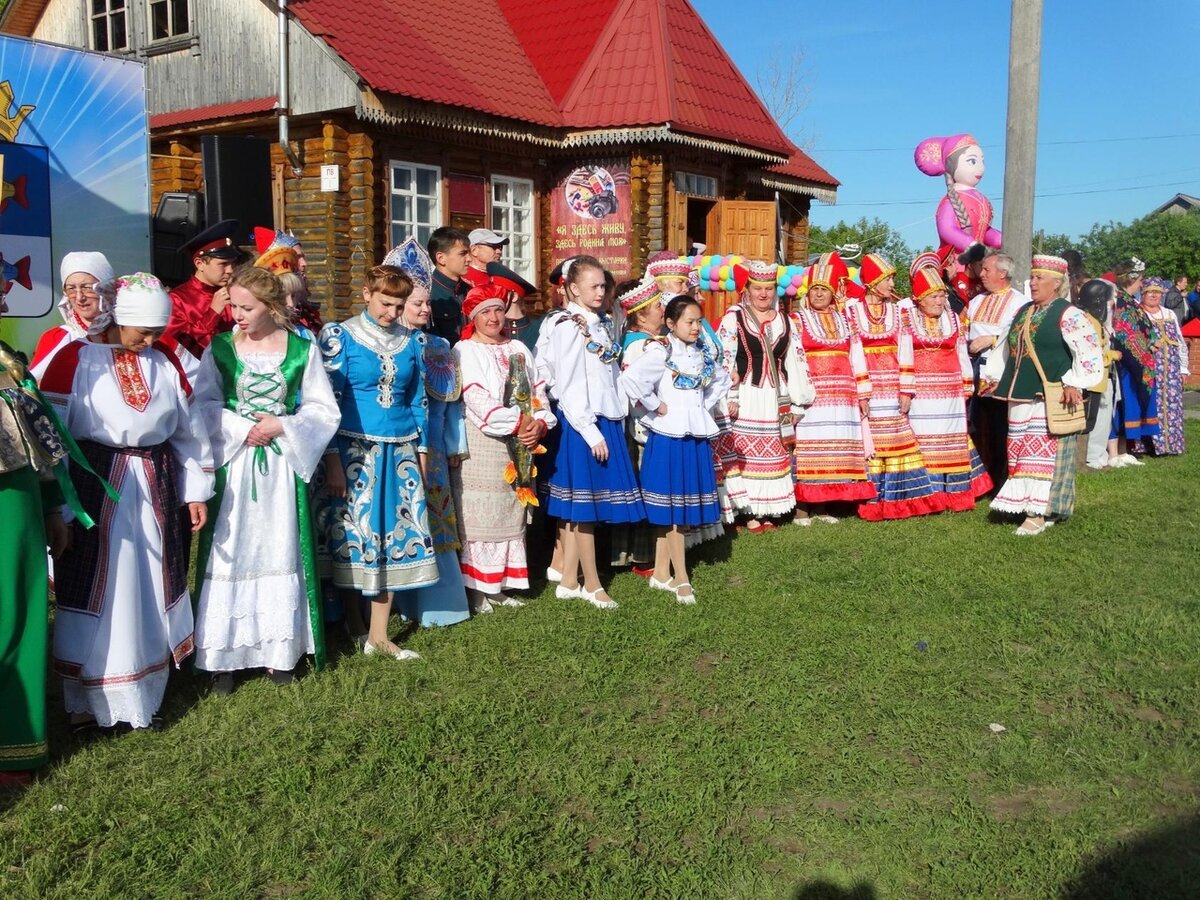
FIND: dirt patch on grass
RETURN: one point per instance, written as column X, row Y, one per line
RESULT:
column 912, row 759
column 1051, row 801
column 1046, row 709
column 789, row 844
column 1148, row 714
column 1012, row 806
column 840, row 808
column 707, row 661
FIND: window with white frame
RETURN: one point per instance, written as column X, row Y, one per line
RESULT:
column 169, row 19
column 416, row 201
column 109, row 25
column 147, row 27
column 512, row 217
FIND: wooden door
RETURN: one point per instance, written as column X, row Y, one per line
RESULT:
column 747, row 228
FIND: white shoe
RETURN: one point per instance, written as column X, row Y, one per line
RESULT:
column 830, row 520
column 512, row 602
column 804, row 521
column 1099, row 468
column 482, row 607
column 1117, row 462
column 1131, row 460
column 593, row 597
column 566, row 593
column 370, row 649
column 552, row 574
column 660, row 585
column 686, row 599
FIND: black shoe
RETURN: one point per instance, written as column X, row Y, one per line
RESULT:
column 222, row 684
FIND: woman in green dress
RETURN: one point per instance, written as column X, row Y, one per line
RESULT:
column 32, row 450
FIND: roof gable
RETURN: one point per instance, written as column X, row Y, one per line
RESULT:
column 558, row 36
column 400, row 47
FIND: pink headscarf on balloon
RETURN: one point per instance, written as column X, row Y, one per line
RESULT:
column 931, row 154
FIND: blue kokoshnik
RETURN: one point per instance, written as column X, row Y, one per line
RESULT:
column 378, row 537
column 679, row 484
column 584, row 490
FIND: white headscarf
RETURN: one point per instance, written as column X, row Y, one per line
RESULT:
column 95, row 264
column 141, row 302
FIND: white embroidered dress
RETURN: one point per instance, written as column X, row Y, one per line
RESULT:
column 253, row 609
column 119, row 652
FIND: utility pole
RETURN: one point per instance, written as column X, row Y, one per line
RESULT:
column 1020, row 154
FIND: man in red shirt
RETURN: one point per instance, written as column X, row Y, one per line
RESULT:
column 199, row 306
column 486, row 248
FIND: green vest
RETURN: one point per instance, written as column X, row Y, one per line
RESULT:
column 229, row 367
column 1020, row 380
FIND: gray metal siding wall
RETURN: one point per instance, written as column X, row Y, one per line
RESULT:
column 236, row 60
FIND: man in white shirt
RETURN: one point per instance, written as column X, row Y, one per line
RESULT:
column 989, row 315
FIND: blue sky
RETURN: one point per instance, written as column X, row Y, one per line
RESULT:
column 888, row 74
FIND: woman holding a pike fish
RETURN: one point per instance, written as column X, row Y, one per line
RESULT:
column 507, row 415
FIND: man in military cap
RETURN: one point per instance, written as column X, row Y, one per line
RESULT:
column 199, row 306
column 521, row 326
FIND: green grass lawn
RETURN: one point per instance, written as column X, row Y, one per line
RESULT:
column 784, row 738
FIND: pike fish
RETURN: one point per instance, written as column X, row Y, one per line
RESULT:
column 520, row 472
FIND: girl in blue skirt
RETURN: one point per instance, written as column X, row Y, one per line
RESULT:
column 678, row 381
column 591, row 478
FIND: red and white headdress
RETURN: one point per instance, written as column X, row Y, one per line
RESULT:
column 762, row 272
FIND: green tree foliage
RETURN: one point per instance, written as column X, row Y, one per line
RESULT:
column 1167, row 244
column 1054, row 244
column 873, row 236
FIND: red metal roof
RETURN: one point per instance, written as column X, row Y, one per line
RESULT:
column 558, row 36
column 208, row 113
column 584, row 65
column 462, row 55
column 802, row 166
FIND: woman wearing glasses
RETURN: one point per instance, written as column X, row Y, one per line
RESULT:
column 85, row 305
column 591, row 477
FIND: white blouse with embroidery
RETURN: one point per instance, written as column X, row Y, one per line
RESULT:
column 655, row 378
column 583, row 384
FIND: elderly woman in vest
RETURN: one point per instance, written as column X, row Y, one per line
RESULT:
column 771, row 387
column 1041, row 466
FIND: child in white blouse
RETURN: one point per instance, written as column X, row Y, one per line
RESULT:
column 678, row 381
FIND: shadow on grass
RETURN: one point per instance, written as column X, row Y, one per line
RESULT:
column 1163, row 863
column 820, row 889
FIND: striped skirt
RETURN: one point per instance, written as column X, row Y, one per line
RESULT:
column 585, row 490
column 1041, row 467
column 829, row 462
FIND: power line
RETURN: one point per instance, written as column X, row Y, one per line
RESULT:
column 1139, row 187
column 1115, row 140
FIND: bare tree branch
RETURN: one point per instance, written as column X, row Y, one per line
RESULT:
column 783, row 85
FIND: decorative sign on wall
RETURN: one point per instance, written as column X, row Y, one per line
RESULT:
column 75, row 143
column 591, row 213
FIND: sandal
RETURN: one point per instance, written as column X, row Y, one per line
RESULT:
column 686, row 599
column 593, row 597
column 1022, row 531
column 803, row 521
column 661, row 585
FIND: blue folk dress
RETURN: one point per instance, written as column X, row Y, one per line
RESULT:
column 378, row 537
column 444, row 603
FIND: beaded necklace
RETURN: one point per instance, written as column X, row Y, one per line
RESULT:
column 882, row 326
column 815, row 327
column 607, row 353
column 690, row 381
column 925, row 331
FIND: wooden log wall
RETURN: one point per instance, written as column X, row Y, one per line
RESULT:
column 175, row 166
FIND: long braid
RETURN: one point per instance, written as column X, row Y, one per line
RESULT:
column 960, row 211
